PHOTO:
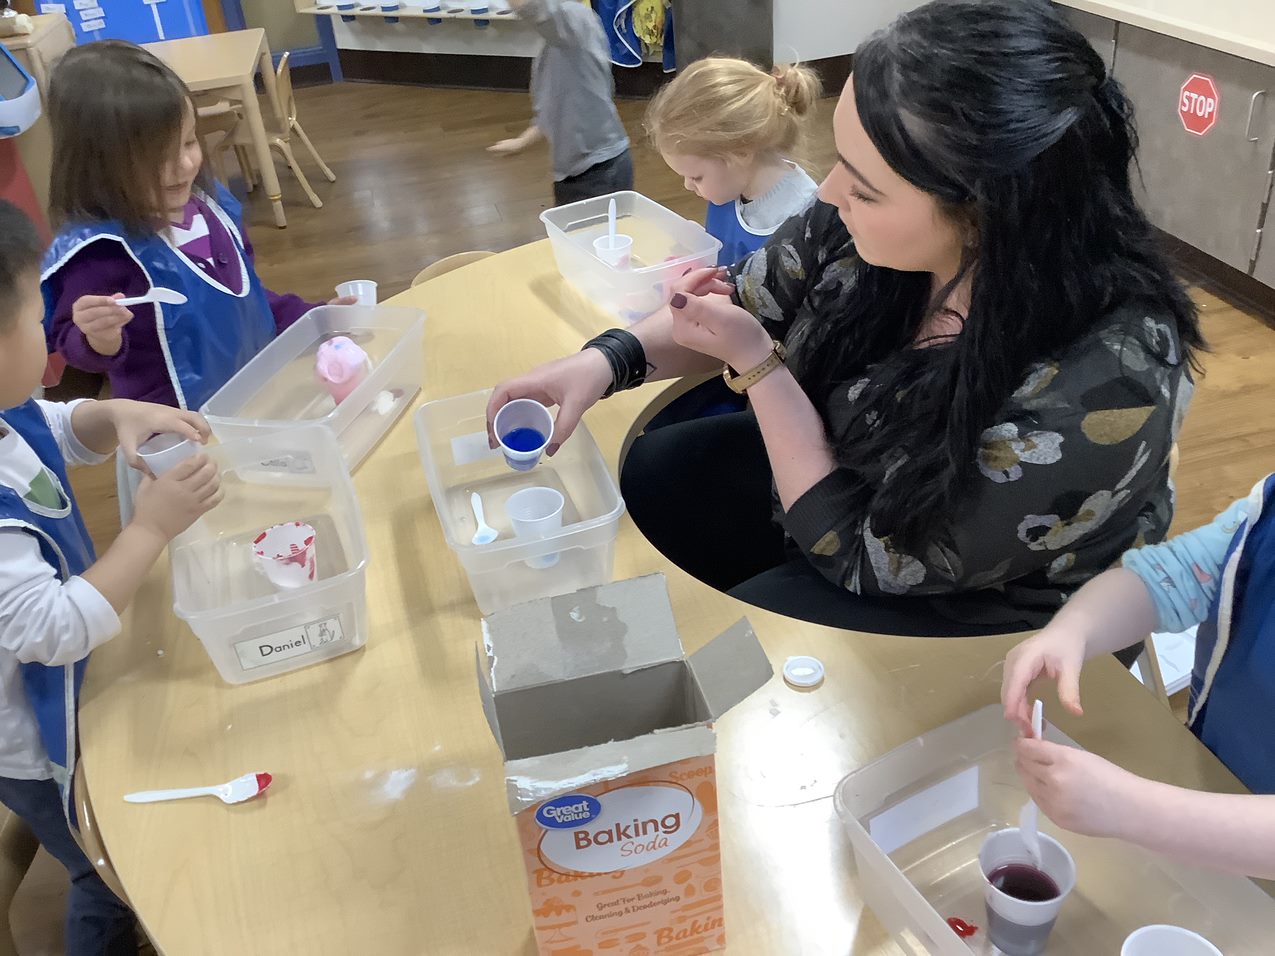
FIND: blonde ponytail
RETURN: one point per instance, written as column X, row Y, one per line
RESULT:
column 720, row 107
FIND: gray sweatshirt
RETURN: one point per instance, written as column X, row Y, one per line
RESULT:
column 571, row 86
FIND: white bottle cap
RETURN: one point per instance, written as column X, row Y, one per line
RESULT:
column 803, row 671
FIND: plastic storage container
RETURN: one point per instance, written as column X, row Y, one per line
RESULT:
column 917, row 817
column 278, row 389
column 664, row 246
column 252, row 629
column 452, row 435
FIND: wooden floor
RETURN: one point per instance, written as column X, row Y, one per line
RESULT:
column 414, row 184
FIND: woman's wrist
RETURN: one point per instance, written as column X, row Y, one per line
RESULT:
column 624, row 354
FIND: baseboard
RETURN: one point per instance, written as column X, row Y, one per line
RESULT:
column 1216, row 277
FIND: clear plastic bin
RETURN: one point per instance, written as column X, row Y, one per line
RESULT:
column 664, row 246
column 452, row 435
column 251, row 629
column 278, row 388
column 917, row 817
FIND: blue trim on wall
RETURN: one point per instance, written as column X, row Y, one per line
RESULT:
column 327, row 41
column 233, row 11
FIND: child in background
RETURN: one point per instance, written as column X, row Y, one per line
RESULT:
column 136, row 210
column 1221, row 577
column 571, row 95
column 56, row 601
column 731, row 131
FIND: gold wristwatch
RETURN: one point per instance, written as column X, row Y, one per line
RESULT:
column 743, row 381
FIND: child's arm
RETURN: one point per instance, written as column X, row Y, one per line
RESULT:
column 164, row 508
column 89, row 331
column 528, row 137
column 1086, row 794
column 1165, row 586
column 47, row 621
column 86, row 430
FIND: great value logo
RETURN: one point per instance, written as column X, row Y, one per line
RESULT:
column 569, row 812
column 620, row 829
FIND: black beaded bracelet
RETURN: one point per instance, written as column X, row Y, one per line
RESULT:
column 625, row 355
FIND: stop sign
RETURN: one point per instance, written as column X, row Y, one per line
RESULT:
column 1198, row 102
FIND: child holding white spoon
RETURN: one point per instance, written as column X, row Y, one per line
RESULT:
column 57, row 600
column 1221, row 577
column 136, row 210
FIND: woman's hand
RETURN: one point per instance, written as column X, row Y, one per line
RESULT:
column 706, row 320
column 101, row 321
column 1079, row 791
column 574, row 383
column 135, row 422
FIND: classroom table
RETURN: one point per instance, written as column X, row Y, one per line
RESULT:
column 228, row 63
column 387, row 830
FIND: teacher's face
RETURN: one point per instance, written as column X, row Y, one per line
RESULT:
column 894, row 224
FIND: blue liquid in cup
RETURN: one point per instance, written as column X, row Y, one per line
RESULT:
column 524, row 439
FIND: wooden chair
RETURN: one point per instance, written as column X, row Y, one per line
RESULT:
column 217, row 122
column 449, row 264
column 18, row 847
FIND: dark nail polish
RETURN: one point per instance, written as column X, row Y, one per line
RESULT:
column 678, row 301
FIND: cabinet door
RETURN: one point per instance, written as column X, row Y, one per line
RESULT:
column 1099, row 31
column 1207, row 190
column 1265, row 269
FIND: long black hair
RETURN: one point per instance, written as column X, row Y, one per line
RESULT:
column 1006, row 115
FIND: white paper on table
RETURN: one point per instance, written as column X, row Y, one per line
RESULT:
column 1176, row 655
column 925, row 811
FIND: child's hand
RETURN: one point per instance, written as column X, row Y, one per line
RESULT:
column 344, row 300
column 101, row 320
column 135, row 422
column 1078, row 790
column 1056, row 652
column 171, row 503
column 508, row 147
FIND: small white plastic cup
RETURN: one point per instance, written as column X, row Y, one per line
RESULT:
column 165, row 451
column 1160, row 939
column 536, row 513
column 362, row 289
column 616, row 251
column 286, row 554
column 523, row 413
column 1021, row 927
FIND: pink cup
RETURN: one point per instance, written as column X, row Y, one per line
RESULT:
column 340, row 366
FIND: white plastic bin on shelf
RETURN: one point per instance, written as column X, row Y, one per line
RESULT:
column 664, row 246
column 453, row 444
column 278, row 389
column 917, row 817
column 250, row 628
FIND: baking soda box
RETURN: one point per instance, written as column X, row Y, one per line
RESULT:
column 605, row 728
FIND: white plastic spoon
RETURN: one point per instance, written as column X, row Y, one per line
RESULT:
column 236, row 791
column 485, row 534
column 1028, row 817
column 611, row 222
column 155, row 295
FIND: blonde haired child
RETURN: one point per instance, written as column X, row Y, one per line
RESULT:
column 731, row 131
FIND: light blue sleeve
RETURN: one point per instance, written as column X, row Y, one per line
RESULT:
column 1182, row 574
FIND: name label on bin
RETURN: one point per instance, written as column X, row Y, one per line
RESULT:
column 293, row 642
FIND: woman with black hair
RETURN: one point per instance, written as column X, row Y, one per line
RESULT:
column 966, row 365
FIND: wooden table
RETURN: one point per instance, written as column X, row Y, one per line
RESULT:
column 228, row 62
column 387, row 831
